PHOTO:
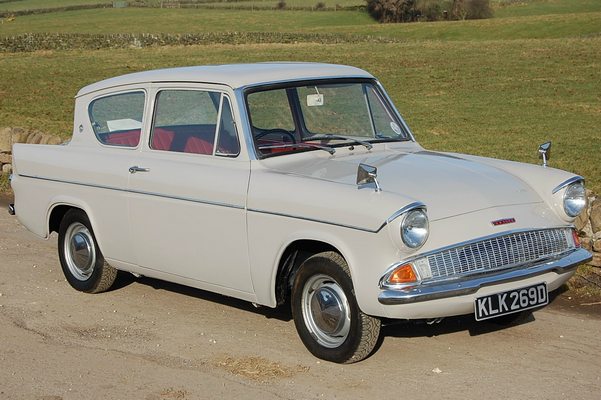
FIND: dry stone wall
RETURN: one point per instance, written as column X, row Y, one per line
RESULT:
column 8, row 136
column 588, row 225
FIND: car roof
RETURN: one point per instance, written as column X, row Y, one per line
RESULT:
column 233, row 75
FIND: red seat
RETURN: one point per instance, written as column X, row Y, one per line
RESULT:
column 198, row 146
column 127, row 138
column 161, row 139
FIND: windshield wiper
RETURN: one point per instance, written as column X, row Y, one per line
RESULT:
column 367, row 145
column 330, row 150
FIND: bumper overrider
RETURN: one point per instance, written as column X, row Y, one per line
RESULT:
column 500, row 259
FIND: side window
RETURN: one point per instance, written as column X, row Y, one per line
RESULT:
column 227, row 142
column 185, row 121
column 117, row 119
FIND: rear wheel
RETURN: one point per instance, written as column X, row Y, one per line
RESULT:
column 326, row 314
column 81, row 259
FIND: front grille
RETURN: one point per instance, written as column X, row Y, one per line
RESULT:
column 496, row 253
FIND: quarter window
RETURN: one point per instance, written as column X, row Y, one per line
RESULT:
column 117, row 119
column 228, row 144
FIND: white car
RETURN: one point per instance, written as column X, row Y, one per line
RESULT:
column 300, row 184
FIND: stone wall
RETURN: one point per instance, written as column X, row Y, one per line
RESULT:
column 588, row 225
column 8, row 136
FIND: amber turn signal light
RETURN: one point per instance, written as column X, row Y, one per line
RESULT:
column 403, row 274
column 576, row 238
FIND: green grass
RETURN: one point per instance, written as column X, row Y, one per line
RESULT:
column 356, row 22
column 289, row 3
column 525, row 8
column 37, row 4
column 497, row 98
column 136, row 20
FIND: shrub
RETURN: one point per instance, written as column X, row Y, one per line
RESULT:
column 281, row 5
column 429, row 10
column 320, row 6
column 392, row 10
column 479, row 9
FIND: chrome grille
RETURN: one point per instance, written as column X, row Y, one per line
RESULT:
column 499, row 252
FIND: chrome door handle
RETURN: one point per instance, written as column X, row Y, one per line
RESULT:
column 135, row 168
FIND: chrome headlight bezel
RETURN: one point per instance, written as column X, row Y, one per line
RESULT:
column 415, row 228
column 574, row 199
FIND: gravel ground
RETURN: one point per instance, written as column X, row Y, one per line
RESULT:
column 148, row 339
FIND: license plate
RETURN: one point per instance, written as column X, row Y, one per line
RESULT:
column 511, row 301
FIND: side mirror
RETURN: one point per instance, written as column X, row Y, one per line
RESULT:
column 544, row 152
column 366, row 174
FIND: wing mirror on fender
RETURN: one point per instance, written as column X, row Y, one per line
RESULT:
column 544, row 152
column 366, row 174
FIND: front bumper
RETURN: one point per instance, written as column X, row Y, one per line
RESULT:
column 469, row 285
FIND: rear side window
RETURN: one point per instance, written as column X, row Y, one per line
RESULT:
column 117, row 119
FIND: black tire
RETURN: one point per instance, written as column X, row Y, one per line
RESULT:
column 343, row 335
column 81, row 259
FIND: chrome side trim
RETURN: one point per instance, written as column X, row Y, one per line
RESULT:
column 408, row 207
column 567, row 183
column 320, row 221
column 560, row 265
column 188, row 199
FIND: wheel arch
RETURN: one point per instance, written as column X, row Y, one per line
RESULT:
column 292, row 257
column 58, row 210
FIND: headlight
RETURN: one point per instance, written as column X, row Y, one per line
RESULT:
column 415, row 228
column 574, row 199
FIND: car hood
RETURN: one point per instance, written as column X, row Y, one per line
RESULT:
column 449, row 185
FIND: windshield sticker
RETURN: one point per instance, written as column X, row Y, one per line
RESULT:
column 395, row 128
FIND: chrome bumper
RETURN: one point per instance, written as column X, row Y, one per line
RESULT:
column 11, row 209
column 469, row 285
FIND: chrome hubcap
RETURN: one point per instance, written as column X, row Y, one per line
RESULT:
column 79, row 251
column 326, row 311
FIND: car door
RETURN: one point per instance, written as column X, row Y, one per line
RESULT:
column 188, row 192
column 116, row 118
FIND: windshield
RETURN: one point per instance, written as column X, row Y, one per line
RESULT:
column 321, row 116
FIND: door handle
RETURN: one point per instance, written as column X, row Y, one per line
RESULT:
column 135, row 168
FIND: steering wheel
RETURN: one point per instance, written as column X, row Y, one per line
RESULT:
column 276, row 131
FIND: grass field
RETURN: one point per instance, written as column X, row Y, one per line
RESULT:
column 495, row 87
column 197, row 20
column 514, row 8
column 36, row 4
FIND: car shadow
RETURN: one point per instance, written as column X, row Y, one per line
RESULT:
column 421, row 328
column 125, row 279
column 390, row 328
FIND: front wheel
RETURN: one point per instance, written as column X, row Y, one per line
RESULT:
column 81, row 259
column 326, row 314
